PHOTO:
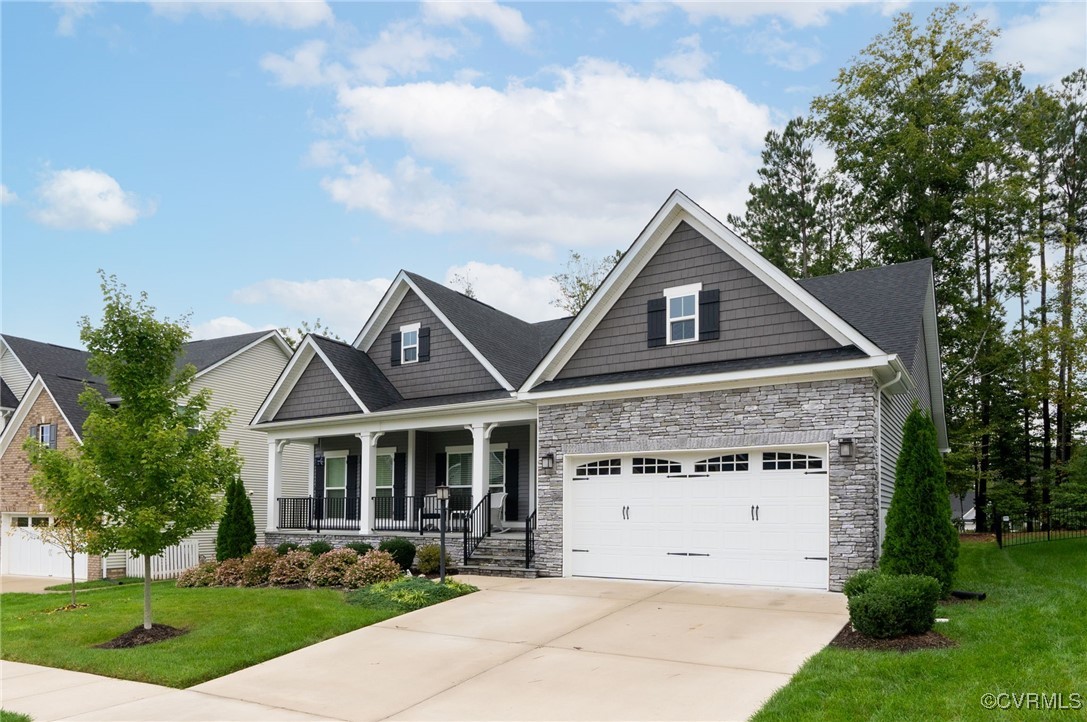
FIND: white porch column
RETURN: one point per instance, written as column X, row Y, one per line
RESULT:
column 479, row 463
column 275, row 482
column 409, row 467
column 367, row 474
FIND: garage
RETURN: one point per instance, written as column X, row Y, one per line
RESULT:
column 24, row 553
column 733, row 516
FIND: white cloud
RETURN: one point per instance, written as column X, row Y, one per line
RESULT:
column 643, row 14
column 305, row 66
column 71, row 13
column 7, row 195
column 292, row 14
column 783, row 53
column 342, row 303
column 224, row 326
column 582, row 162
column 688, row 62
column 798, row 14
column 86, row 199
column 1050, row 43
column 400, row 50
column 507, row 22
column 509, row 290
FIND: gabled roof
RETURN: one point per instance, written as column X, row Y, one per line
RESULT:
column 8, row 399
column 207, row 353
column 65, row 392
column 886, row 304
column 678, row 209
column 360, row 372
column 38, row 357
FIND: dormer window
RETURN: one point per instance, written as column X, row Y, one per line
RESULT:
column 682, row 313
column 409, row 343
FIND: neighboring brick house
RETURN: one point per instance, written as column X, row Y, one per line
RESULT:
column 703, row 418
column 45, row 381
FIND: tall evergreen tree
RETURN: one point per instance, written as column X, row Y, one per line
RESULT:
column 920, row 538
column 237, row 532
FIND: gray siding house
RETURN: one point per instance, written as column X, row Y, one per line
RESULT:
column 704, row 418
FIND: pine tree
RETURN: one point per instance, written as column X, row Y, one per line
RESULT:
column 920, row 537
column 237, row 531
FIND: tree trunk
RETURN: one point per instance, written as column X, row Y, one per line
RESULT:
column 146, row 591
column 71, row 558
column 1047, row 371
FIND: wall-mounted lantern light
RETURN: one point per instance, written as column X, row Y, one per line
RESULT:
column 318, row 455
column 845, row 448
column 547, row 461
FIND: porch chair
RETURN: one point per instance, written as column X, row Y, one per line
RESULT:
column 498, row 511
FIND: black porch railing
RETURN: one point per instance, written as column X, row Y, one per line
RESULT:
column 420, row 512
column 477, row 525
column 530, row 539
column 1045, row 524
column 317, row 513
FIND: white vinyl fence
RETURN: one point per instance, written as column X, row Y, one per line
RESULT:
column 167, row 565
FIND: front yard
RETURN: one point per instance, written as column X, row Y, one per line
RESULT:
column 231, row 628
column 1029, row 636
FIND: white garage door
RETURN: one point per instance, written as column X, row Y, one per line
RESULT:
column 25, row 554
column 739, row 517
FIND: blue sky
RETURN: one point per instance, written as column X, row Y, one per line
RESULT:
column 260, row 164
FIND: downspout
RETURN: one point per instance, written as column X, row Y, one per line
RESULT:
column 879, row 455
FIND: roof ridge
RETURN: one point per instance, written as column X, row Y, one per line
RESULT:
column 467, row 297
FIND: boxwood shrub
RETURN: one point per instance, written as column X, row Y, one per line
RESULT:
column 285, row 547
column 895, row 605
column 860, row 582
column 403, row 551
column 319, row 547
column 360, row 547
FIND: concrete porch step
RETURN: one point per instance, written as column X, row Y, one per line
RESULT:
column 497, row 571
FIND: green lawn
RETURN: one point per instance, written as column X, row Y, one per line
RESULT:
column 1030, row 635
column 95, row 584
column 231, row 628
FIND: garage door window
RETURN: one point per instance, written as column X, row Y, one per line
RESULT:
column 655, row 466
column 731, row 462
column 25, row 521
column 604, row 467
column 772, row 460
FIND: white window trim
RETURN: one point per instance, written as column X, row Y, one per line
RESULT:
column 403, row 347
column 691, row 289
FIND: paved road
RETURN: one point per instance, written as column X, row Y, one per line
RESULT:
column 542, row 649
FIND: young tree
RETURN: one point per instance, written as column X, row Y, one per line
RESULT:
column 920, row 538
column 580, row 279
column 237, row 532
column 294, row 336
column 153, row 462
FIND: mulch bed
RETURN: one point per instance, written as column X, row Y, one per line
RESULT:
column 976, row 537
column 138, row 636
column 849, row 638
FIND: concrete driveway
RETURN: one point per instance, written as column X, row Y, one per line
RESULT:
column 542, row 649
column 10, row 583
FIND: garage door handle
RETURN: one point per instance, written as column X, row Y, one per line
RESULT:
column 817, row 559
column 580, row 550
column 752, row 512
column 756, row 512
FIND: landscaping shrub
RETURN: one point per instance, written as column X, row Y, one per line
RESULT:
column 895, row 605
column 428, row 559
column 360, row 547
column 285, row 547
column 257, row 566
column 230, row 573
column 408, row 593
column 403, row 551
column 860, row 582
column 202, row 575
column 237, row 531
column 319, row 547
column 328, row 569
column 372, row 567
column 920, row 538
column 291, row 568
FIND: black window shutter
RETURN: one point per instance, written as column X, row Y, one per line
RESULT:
column 513, row 483
column 424, row 343
column 709, row 315
column 353, row 488
column 656, row 322
column 52, row 436
column 33, row 432
column 400, row 487
column 394, row 353
column 439, row 469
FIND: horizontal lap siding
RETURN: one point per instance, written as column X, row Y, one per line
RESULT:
column 317, row 393
column 754, row 320
column 12, row 372
column 452, row 369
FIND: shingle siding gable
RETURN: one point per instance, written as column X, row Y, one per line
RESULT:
column 754, row 320
column 452, row 369
column 317, row 393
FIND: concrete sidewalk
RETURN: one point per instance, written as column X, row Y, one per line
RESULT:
column 541, row 649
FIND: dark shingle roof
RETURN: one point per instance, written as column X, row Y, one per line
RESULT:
column 66, row 391
column 360, row 372
column 448, row 399
column 511, row 345
column 47, row 358
column 7, row 396
column 885, row 304
column 209, row 352
column 549, row 332
column 843, row 353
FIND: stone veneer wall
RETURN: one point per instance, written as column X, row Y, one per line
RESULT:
column 797, row 413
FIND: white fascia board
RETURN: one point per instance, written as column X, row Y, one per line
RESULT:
column 286, row 381
column 382, row 313
column 23, row 410
column 271, row 334
column 457, row 416
column 732, row 379
column 679, row 208
column 336, row 373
